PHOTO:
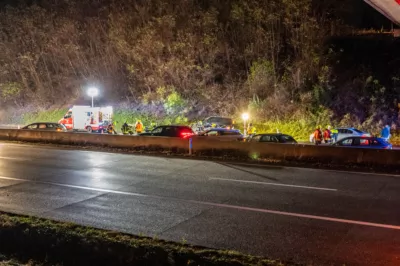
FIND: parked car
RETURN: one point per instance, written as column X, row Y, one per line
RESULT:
column 344, row 132
column 223, row 134
column 219, row 121
column 170, row 131
column 364, row 142
column 273, row 138
column 213, row 122
column 46, row 126
column 350, row 132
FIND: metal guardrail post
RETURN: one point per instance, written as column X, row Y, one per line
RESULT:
column 190, row 146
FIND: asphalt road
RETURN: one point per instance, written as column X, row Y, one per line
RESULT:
column 305, row 215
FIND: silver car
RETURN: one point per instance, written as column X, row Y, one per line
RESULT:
column 223, row 134
column 46, row 126
column 345, row 132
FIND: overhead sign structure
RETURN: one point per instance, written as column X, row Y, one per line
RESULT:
column 388, row 8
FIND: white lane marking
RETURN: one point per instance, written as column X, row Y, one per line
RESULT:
column 12, row 178
column 71, row 186
column 306, row 169
column 273, row 184
column 300, row 215
column 14, row 158
column 221, row 205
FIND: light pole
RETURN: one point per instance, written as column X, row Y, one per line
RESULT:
column 93, row 92
column 245, row 117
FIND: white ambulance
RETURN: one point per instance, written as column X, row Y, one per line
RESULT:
column 86, row 118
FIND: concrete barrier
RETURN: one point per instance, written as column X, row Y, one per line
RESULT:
column 205, row 146
column 117, row 141
column 287, row 152
column 10, row 126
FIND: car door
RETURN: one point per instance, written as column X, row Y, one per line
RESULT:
column 42, row 126
column 267, row 138
column 50, row 127
column 212, row 134
column 169, row 132
column 348, row 142
column 255, row 138
column 344, row 133
column 230, row 135
column 32, row 127
column 157, row 131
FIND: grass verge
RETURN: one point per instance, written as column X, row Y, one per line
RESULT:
column 57, row 243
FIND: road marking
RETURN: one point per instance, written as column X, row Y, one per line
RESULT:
column 272, row 184
column 300, row 215
column 14, row 158
column 307, row 169
column 220, row 205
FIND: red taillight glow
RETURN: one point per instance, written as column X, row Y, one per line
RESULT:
column 186, row 134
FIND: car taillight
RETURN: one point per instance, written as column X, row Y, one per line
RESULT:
column 58, row 129
column 186, row 134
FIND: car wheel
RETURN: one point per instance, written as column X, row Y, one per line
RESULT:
column 89, row 129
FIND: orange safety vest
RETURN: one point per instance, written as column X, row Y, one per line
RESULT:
column 317, row 135
column 139, row 127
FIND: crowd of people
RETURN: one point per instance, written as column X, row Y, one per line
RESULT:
column 329, row 135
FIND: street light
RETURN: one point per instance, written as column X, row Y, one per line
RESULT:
column 245, row 117
column 93, row 92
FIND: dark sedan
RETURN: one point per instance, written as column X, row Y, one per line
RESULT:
column 46, row 126
column 364, row 142
column 273, row 138
column 170, row 131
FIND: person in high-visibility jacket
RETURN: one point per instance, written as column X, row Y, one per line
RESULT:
column 111, row 128
column 327, row 134
column 335, row 134
column 318, row 135
column 251, row 130
column 139, row 127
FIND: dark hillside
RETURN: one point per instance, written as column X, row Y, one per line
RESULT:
column 275, row 58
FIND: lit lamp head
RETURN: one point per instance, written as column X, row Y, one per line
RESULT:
column 93, row 92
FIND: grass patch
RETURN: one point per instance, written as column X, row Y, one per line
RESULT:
column 52, row 242
column 44, row 116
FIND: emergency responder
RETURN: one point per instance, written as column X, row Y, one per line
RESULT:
column 385, row 133
column 318, row 135
column 335, row 134
column 327, row 134
column 125, row 128
column 111, row 128
column 139, row 127
column 251, row 130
